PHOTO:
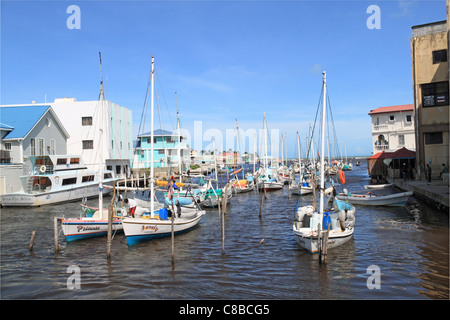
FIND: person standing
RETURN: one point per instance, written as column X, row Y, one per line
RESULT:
column 429, row 172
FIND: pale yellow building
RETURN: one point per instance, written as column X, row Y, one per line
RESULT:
column 430, row 73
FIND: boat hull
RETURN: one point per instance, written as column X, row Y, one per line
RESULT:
column 310, row 242
column 139, row 230
column 396, row 199
column 270, row 186
column 51, row 197
column 79, row 229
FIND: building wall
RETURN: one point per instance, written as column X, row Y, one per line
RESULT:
column 117, row 143
column 434, row 119
column 392, row 130
column 48, row 130
column 165, row 153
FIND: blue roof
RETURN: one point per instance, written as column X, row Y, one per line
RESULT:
column 158, row 132
column 22, row 119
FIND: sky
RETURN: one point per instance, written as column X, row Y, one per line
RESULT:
column 219, row 61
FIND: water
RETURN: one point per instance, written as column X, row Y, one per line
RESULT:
column 262, row 259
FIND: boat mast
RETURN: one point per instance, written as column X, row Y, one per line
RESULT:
column 179, row 139
column 100, row 170
column 322, row 173
column 299, row 158
column 152, row 195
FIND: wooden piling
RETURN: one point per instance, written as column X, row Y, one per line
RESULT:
column 55, row 230
column 325, row 246
column 30, row 247
column 173, row 237
column 222, row 226
column 261, row 205
column 109, row 237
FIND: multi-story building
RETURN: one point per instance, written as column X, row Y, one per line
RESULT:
column 84, row 120
column 430, row 73
column 166, row 145
column 393, row 128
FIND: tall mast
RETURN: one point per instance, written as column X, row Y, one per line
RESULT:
column 179, row 139
column 322, row 173
column 299, row 158
column 100, row 169
column 152, row 194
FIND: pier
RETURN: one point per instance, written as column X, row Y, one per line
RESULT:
column 436, row 191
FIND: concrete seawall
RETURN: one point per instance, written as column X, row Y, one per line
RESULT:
column 436, row 191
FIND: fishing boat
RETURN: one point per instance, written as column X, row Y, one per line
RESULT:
column 56, row 179
column 241, row 185
column 371, row 199
column 156, row 223
column 310, row 225
column 96, row 224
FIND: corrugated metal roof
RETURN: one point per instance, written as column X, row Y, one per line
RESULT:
column 22, row 119
column 403, row 107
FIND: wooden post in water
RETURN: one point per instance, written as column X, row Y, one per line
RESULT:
column 173, row 236
column 222, row 225
column 109, row 237
column 325, row 245
column 319, row 244
column 30, row 247
column 110, row 222
column 55, row 229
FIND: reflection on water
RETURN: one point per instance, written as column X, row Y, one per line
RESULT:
column 261, row 261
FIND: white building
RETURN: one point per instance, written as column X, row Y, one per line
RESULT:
column 393, row 128
column 82, row 121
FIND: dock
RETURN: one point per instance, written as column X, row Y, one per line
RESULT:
column 436, row 191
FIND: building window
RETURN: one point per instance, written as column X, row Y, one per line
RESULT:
column 7, row 145
column 439, row 56
column 88, row 144
column 435, row 94
column 408, row 118
column 401, row 140
column 52, row 146
column 41, row 146
column 433, row 138
column 391, row 118
column 86, row 121
column 161, row 151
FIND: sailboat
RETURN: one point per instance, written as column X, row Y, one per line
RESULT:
column 97, row 224
column 267, row 177
column 244, row 184
column 303, row 186
column 157, row 224
column 310, row 224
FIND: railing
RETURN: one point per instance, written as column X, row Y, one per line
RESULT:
column 382, row 147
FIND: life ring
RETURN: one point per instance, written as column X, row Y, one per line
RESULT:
column 342, row 176
column 42, row 169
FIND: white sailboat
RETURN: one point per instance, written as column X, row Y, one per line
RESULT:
column 267, row 177
column 157, row 224
column 303, row 186
column 309, row 225
column 97, row 225
column 245, row 184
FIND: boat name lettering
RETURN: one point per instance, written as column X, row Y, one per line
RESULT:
column 88, row 228
column 149, row 228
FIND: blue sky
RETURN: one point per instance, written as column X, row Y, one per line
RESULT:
column 226, row 60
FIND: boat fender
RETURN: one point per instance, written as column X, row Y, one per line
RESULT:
column 342, row 176
column 42, row 169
